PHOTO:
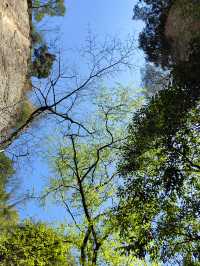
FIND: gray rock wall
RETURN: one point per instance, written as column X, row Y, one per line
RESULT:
column 14, row 56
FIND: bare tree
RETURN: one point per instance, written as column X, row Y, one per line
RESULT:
column 103, row 62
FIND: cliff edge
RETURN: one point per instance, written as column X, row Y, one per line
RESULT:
column 15, row 48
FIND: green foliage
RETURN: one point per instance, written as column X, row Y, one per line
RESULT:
column 159, row 209
column 153, row 80
column 42, row 62
column 42, row 8
column 152, row 39
column 85, row 180
column 33, row 244
column 25, row 112
column 6, row 168
column 36, row 37
column 8, row 215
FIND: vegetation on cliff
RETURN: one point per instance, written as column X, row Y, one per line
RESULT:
column 42, row 59
column 8, row 214
column 42, row 8
column 159, row 209
column 127, row 171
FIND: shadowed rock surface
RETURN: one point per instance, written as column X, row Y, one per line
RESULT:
column 182, row 26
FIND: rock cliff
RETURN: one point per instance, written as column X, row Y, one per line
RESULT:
column 14, row 56
column 182, row 26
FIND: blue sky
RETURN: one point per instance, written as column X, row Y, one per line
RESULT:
column 103, row 18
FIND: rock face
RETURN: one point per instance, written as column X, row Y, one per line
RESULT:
column 14, row 57
column 182, row 26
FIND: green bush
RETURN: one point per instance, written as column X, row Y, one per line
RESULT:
column 8, row 216
column 6, row 171
column 42, row 62
column 6, row 168
column 36, row 36
column 25, row 112
column 40, row 9
column 31, row 244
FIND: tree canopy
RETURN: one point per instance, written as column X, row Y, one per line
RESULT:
column 159, row 209
column 42, row 59
column 152, row 39
column 127, row 171
column 85, row 181
column 42, row 8
column 34, row 244
column 154, row 79
column 8, row 215
column 42, row 62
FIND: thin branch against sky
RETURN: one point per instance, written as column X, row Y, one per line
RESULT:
column 104, row 18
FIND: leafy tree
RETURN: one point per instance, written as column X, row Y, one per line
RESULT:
column 26, row 109
column 85, row 181
column 42, row 8
column 6, row 168
column 152, row 39
column 36, row 37
column 34, row 244
column 8, row 214
column 159, row 209
column 42, row 62
column 153, row 80
column 42, row 59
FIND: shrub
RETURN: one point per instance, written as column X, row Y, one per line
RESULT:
column 25, row 112
column 8, row 215
column 6, row 168
column 42, row 62
column 34, row 244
